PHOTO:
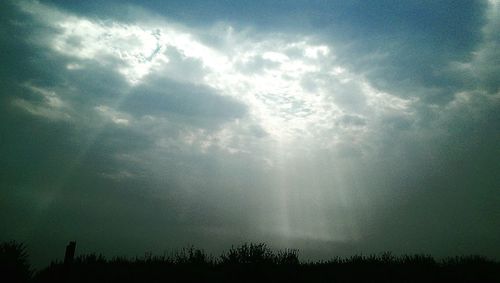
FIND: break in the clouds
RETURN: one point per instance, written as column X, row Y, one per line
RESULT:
column 331, row 127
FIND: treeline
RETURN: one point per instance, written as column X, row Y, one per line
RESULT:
column 247, row 263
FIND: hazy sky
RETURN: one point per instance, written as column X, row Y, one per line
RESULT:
column 335, row 127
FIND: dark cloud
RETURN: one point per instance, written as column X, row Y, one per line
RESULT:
column 403, row 48
column 160, row 96
column 435, row 187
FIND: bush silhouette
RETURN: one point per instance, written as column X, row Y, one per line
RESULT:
column 249, row 263
column 14, row 263
column 248, row 254
column 258, row 254
column 192, row 256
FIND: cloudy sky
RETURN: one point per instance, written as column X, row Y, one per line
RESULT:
column 335, row 127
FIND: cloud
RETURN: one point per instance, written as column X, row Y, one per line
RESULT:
column 404, row 47
column 139, row 53
column 160, row 96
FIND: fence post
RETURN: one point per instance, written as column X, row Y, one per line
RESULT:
column 70, row 253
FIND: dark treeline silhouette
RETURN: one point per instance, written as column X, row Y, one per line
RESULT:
column 247, row 263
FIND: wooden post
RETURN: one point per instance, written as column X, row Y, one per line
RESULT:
column 68, row 261
column 70, row 253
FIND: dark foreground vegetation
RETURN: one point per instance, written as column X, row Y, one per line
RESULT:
column 246, row 263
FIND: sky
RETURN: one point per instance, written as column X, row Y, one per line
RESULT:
column 333, row 127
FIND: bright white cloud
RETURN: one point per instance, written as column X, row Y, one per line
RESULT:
column 273, row 88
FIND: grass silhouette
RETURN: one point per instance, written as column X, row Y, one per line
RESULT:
column 248, row 263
